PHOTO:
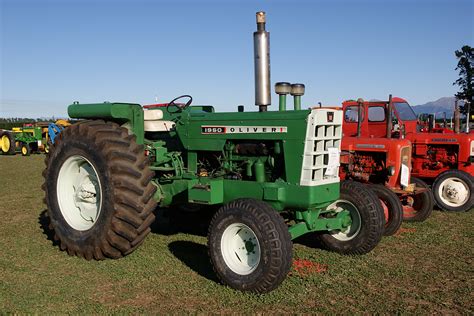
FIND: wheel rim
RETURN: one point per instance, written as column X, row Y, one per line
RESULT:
column 24, row 150
column 79, row 193
column 240, row 248
column 5, row 143
column 354, row 228
column 453, row 192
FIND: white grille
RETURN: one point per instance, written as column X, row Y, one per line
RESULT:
column 321, row 135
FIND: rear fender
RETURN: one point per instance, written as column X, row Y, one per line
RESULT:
column 122, row 113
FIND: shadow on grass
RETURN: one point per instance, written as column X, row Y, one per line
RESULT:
column 310, row 240
column 43, row 221
column 171, row 221
column 194, row 256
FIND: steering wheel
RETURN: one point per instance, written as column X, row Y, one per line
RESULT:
column 179, row 106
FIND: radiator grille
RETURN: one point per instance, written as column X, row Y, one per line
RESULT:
column 322, row 137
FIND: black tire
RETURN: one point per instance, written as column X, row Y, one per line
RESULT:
column 394, row 208
column 371, row 226
column 11, row 149
column 440, row 190
column 25, row 149
column 268, row 227
column 127, row 202
column 422, row 203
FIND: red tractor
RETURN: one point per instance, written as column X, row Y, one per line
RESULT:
column 446, row 160
column 382, row 162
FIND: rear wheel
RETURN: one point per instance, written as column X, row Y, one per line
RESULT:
column 392, row 208
column 98, row 191
column 453, row 189
column 7, row 143
column 250, row 246
column 418, row 207
column 367, row 225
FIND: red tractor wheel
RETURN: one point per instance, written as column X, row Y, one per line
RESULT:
column 452, row 191
column 419, row 206
column 392, row 208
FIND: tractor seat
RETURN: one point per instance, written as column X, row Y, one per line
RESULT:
column 154, row 121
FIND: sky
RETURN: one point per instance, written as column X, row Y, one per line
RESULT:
column 55, row 52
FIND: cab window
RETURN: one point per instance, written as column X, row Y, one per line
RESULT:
column 376, row 114
column 351, row 115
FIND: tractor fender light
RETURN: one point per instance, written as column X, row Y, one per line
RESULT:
column 391, row 170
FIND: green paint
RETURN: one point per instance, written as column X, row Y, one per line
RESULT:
column 282, row 102
column 206, row 191
column 311, row 222
column 259, row 171
column 127, row 114
column 297, row 102
column 28, row 134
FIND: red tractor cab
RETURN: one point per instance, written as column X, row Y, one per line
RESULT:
column 372, row 156
column 444, row 159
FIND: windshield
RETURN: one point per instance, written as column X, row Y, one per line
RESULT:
column 405, row 112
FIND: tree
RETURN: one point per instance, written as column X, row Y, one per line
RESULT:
column 465, row 82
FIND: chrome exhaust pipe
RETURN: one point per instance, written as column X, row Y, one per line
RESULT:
column 261, row 44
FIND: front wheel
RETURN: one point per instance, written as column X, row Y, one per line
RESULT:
column 392, row 206
column 419, row 206
column 367, row 217
column 25, row 149
column 250, row 246
column 452, row 191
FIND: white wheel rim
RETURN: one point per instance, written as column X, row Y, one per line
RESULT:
column 240, row 248
column 79, row 193
column 453, row 192
column 352, row 230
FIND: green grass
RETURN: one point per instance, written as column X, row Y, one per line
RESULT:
column 427, row 268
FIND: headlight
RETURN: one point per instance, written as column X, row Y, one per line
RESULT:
column 406, row 156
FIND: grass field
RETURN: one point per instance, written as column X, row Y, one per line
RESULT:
column 426, row 268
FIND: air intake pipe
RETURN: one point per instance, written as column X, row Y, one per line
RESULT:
column 261, row 44
column 282, row 89
column 297, row 91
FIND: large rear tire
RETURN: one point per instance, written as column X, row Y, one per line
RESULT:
column 392, row 206
column 98, row 190
column 250, row 246
column 418, row 207
column 453, row 189
column 7, row 143
column 367, row 225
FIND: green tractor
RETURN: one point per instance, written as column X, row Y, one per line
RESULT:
column 26, row 140
column 273, row 176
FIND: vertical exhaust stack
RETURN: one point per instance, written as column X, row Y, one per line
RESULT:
column 261, row 44
column 360, row 112
column 456, row 117
column 388, row 133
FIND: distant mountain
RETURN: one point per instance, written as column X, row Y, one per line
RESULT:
column 439, row 106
